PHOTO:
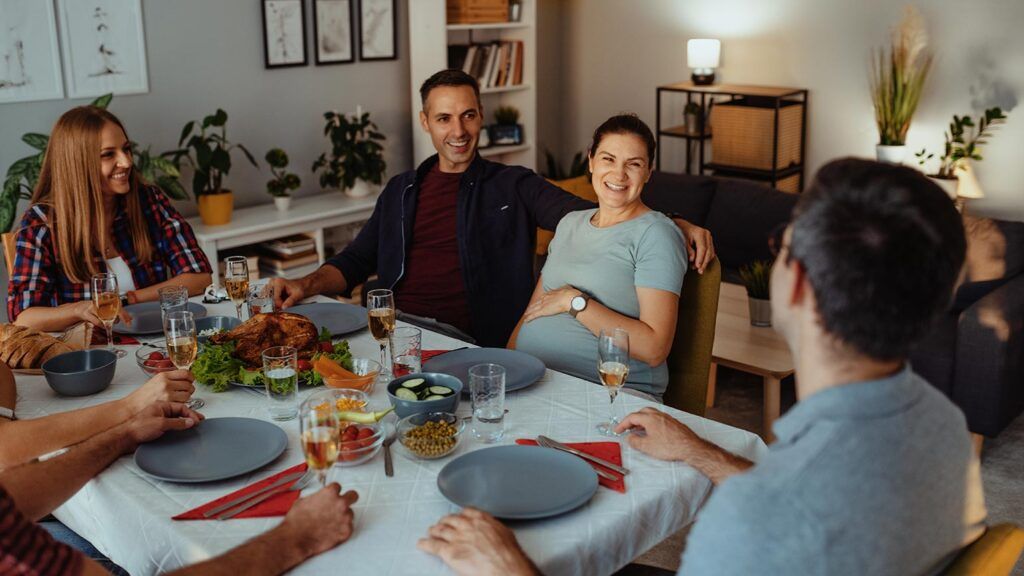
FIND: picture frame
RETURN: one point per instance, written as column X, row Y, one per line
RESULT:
column 284, row 33
column 103, row 43
column 333, row 34
column 378, row 30
column 30, row 66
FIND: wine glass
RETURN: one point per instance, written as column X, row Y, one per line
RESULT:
column 180, row 335
column 613, row 368
column 236, row 281
column 320, row 432
column 107, row 299
column 381, row 305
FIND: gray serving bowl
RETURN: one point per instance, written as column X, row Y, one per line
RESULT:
column 80, row 373
column 218, row 322
column 405, row 408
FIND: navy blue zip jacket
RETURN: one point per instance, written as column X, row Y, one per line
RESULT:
column 499, row 209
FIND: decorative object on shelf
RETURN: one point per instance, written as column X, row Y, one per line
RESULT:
column 506, row 129
column 208, row 153
column 702, row 56
column 378, row 25
column 578, row 166
column 284, row 33
column 483, row 140
column 104, row 47
column 963, row 143
column 515, row 10
column 480, row 11
column 333, row 32
column 356, row 158
column 897, row 81
column 283, row 181
column 691, row 117
column 29, row 50
column 756, row 278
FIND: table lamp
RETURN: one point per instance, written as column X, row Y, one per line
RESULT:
column 967, row 183
column 702, row 55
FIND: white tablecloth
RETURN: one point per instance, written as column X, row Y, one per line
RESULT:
column 127, row 515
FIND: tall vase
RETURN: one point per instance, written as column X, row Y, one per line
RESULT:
column 891, row 154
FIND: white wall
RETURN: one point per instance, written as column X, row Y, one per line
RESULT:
column 618, row 51
column 203, row 55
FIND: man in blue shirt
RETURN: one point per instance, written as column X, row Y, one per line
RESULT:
column 873, row 470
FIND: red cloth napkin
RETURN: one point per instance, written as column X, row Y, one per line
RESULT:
column 277, row 505
column 99, row 337
column 610, row 451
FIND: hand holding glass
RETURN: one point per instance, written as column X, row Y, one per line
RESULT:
column 613, row 368
column 182, row 347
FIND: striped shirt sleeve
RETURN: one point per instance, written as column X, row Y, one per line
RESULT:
column 27, row 549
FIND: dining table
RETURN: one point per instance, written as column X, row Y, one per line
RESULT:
column 127, row 514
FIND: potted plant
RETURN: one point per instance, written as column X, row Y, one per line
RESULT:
column 897, row 80
column 283, row 181
column 691, row 114
column 756, row 277
column 506, row 129
column 208, row 152
column 963, row 144
column 356, row 158
column 577, row 167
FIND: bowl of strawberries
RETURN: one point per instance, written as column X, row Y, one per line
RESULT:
column 153, row 359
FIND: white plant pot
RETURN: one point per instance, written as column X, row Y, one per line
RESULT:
column 891, row 154
column 948, row 185
column 283, row 203
column 361, row 189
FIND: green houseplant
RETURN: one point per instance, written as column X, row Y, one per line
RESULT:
column 577, row 167
column 506, row 129
column 756, row 277
column 283, row 181
column 963, row 144
column 356, row 158
column 208, row 152
column 897, row 81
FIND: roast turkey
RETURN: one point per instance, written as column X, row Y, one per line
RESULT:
column 264, row 331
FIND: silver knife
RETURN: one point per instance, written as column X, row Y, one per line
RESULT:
column 584, row 455
column 239, row 499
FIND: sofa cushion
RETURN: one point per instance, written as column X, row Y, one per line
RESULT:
column 995, row 255
column 742, row 216
column 683, row 194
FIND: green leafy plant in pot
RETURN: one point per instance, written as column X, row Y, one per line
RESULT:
column 578, row 166
column 964, row 140
column 208, row 152
column 283, row 181
column 756, row 277
column 356, row 158
column 506, row 129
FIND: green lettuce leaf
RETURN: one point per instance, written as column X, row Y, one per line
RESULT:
column 216, row 366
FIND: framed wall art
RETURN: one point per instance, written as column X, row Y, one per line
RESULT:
column 378, row 26
column 333, row 33
column 284, row 33
column 29, row 54
column 104, row 47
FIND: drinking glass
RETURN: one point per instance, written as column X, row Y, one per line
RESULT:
column 236, row 281
column 180, row 336
column 406, row 350
column 107, row 300
column 613, row 368
column 261, row 299
column 320, row 432
column 381, row 305
column 487, row 391
column 282, row 381
column 172, row 299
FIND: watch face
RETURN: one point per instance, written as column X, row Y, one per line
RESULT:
column 578, row 303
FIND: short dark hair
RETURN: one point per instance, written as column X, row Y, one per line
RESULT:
column 450, row 77
column 625, row 124
column 883, row 247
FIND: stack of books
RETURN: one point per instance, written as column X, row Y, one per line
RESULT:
column 288, row 257
column 494, row 65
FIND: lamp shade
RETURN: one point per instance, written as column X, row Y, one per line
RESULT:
column 967, row 182
column 703, row 53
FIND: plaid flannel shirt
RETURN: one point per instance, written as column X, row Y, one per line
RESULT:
column 38, row 280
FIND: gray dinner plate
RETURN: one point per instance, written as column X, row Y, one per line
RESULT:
column 339, row 318
column 146, row 318
column 215, row 449
column 518, row 482
column 521, row 369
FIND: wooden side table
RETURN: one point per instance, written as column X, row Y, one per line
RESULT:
column 751, row 349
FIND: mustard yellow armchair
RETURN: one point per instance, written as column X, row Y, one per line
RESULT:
column 994, row 554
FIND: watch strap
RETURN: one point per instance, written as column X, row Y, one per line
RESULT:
column 7, row 413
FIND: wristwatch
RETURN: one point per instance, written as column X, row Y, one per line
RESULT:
column 578, row 304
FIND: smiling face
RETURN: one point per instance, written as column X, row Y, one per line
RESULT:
column 620, row 168
column 452, row 117
column 115, row 160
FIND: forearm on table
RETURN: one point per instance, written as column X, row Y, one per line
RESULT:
column 645, row 343
column 25, row 440
column 39, row 487
column 715, row 462
column 327, row 280
column 47, row 318
column 196, row 282
column 272, row 553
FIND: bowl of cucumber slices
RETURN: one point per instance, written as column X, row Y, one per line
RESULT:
column 424, row 392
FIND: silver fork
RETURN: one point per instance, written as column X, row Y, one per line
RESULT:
column 298, row 486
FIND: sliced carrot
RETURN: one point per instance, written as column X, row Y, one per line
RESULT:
column 327, row 367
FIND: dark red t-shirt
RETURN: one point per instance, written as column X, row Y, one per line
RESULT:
column 432, row 285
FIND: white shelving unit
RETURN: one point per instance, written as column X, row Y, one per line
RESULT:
column 429, row 37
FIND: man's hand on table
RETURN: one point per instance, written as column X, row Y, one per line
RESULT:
column 287, row 293
column 320, row 522
column 173, row 386
column 473, row 542
column 700, row 247
column 154, row 420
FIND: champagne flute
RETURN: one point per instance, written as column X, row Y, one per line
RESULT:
column 320, row 432
column 236, row 281
column 613, row 368
column 180, row 335
column 381, row 305
column 107, row 299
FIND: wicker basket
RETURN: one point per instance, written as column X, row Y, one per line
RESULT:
column 477, row 11
column 744, row 132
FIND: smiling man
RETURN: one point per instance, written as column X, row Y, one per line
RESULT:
column 455, row 238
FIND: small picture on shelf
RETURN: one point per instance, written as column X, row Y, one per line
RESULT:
column 506, row 130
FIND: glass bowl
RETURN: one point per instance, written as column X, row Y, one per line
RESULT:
column 342, row 399
column 366, row 371
column 360, row 450
column 152, row 366
column 416, row 448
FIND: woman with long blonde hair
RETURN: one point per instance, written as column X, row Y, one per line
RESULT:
column 90, row 214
